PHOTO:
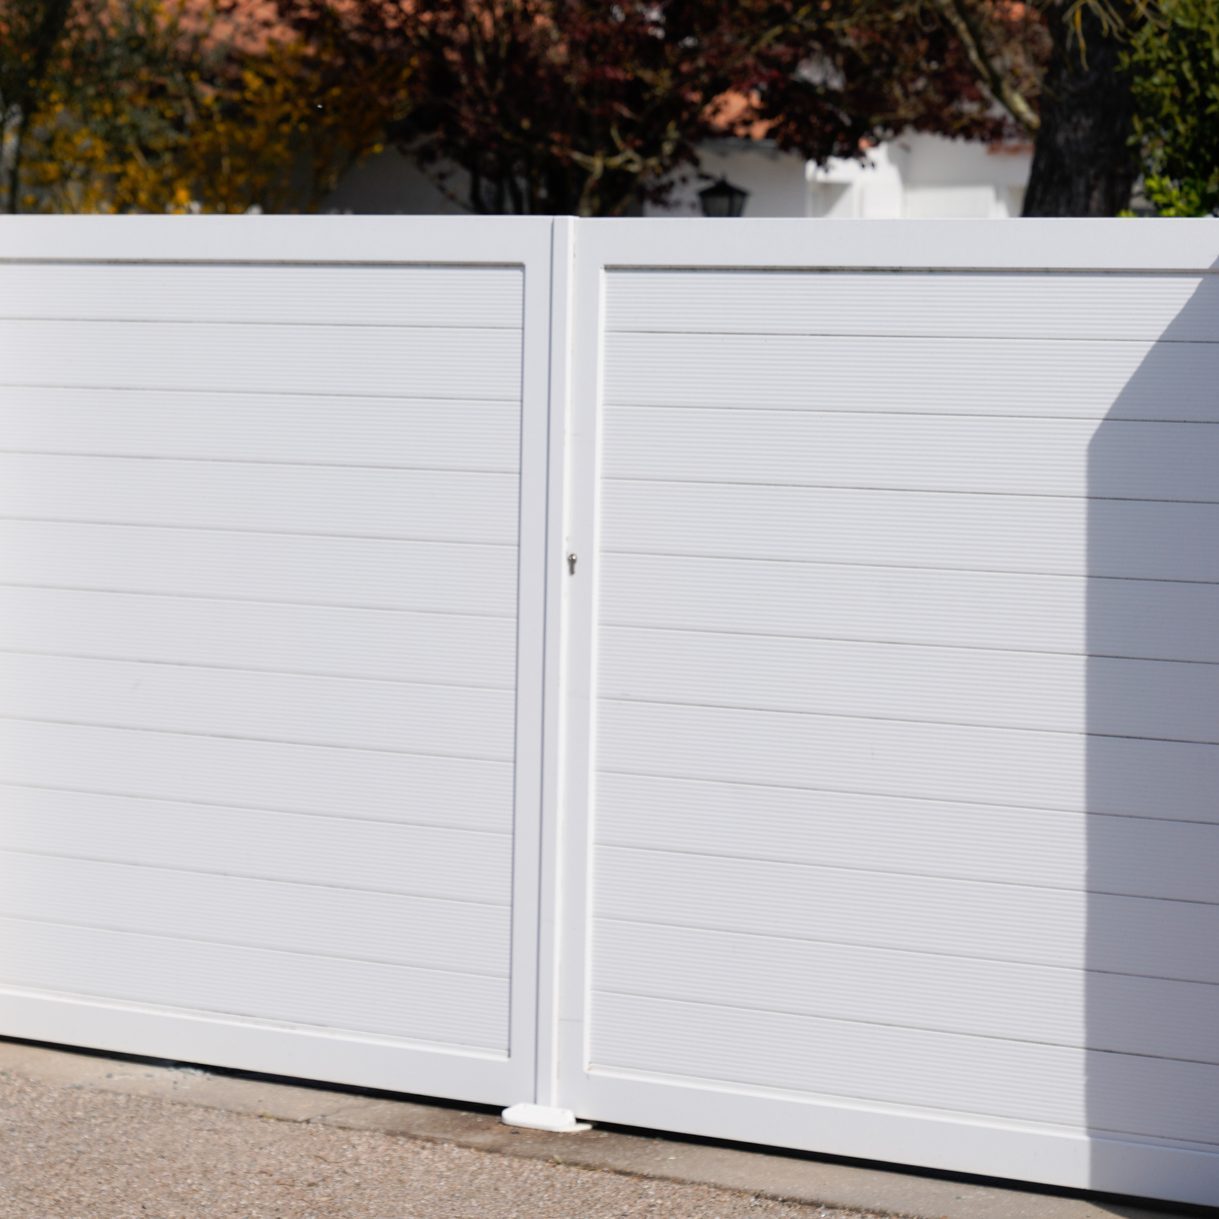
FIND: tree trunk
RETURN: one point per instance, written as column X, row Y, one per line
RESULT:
column 13, row 186
column 1083, row 162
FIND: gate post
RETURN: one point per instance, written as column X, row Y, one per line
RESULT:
column 544, row 1111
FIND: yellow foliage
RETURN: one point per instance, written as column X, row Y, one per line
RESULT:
column 177, row 123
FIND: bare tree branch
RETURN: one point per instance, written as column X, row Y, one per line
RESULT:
column 1000, row 87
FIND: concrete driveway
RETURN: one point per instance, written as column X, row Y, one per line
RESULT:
column 89, row 1137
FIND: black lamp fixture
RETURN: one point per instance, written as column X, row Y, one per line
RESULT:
column 721, row 199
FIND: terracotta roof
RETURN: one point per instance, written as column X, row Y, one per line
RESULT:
column 733, row 114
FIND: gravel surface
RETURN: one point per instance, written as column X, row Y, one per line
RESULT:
column 70, row 1153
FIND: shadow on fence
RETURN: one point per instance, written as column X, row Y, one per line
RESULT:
column 1152, row 768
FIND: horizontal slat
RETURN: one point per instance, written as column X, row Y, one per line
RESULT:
column 993, row 922
column 910, row 990
column 471, row 872
column 427, row 504
column 282, row 428
column 384, row 644
column 1015, row 846
column 423, row 363
column 320, row 920
column 1142, row 698
column 373, row 572
column 1040, row 1083
column 1080, row 306
column 381, row 786
column 1140, row 618
column 389, row 295
column 1045, row 770
column 345, row 712
column 1173, row 461
column 392, row 1000
column 1142, row 540
column 1056, row 378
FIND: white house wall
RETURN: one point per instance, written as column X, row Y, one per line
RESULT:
column 916, row 176
column 391, row 183
column 943, row 177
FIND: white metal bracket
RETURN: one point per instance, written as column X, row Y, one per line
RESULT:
column 543, row 1117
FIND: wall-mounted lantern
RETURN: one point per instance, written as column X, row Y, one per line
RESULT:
column 721, row 199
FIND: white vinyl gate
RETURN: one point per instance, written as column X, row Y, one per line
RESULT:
column 754, row 679
column 273, row 514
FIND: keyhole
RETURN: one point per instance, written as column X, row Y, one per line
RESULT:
column 571, row 564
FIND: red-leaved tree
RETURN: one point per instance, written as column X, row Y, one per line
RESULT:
column 588, row 108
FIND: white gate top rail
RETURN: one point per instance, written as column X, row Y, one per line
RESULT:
column 1027, row 245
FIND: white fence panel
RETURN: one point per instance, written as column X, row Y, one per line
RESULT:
column 271, row 625
column 753, row 679
column 896, row 758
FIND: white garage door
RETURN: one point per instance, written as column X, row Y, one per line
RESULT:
column 901, row 772
column 266, row 764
